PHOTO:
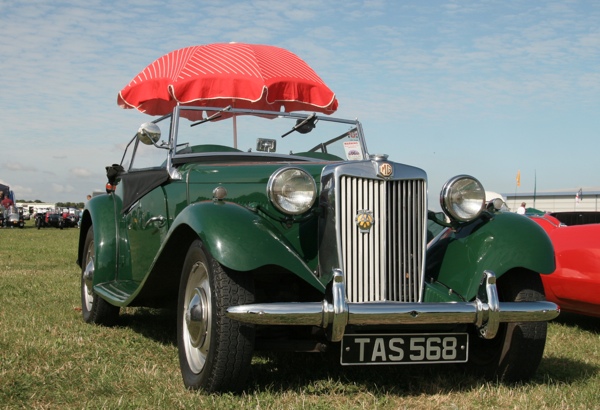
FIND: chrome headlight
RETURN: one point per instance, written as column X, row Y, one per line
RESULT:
column 292, row 190
column 462, row 198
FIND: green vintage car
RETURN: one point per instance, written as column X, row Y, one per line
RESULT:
column 276, row 230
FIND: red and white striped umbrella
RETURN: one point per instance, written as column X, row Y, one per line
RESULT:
column 228, row 74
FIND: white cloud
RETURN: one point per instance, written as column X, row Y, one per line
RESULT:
column 81, row 172
column 14, row 166
column 58, row 188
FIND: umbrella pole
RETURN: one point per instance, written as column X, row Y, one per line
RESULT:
column 235, row 131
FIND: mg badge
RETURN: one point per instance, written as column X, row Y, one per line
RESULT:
column 386, row 170
column 364, row 220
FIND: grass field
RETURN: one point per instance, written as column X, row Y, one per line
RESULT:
column 49, row 358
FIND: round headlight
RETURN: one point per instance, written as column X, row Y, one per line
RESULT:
column 463, row 198
column 292, row 190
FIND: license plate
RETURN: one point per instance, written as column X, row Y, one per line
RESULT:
column 405, row 348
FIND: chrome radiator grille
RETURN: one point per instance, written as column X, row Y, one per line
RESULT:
column 385, row 263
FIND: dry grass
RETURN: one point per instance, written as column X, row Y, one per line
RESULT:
column 49, row 358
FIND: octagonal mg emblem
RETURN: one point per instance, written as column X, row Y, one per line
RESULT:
column 386, row 170
column 364, row 220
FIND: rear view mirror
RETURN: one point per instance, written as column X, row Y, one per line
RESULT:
column 148, row 133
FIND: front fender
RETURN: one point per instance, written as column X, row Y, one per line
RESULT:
column 458, row 258
column 242, row 240
column 98, row 209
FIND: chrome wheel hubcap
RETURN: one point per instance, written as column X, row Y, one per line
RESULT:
column 197, row 316
column 88, row 277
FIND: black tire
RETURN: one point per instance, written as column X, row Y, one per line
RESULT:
column 214, row 351
column 94, row 309
column 515, row 353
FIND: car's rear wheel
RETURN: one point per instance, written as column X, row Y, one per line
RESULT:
column 214, row 351
column 93, row 307
column 515, row 353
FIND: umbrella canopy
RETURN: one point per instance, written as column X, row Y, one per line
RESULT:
column 240, row 75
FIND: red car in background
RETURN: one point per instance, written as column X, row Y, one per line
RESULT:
column 575, row 284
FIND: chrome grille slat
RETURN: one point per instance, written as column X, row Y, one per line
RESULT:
column 384, row 264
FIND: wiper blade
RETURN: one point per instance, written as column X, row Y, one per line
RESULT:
column 303, row 126
column 218, row 114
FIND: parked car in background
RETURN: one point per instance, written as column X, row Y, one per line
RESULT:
column 57, row 218
column 12, row 217
column 70, row 218
column 577, row 218
column 41, row 220
column 280, row 230
column 51, row 218
column 575, row 284
column 9, row 213
column 25, row 212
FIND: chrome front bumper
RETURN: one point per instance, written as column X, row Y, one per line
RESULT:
column 336, row 315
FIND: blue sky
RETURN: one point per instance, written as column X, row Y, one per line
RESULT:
column 485, row 88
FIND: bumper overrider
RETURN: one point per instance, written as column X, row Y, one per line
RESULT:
column 334, row 316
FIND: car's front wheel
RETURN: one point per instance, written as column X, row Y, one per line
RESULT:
column 515, row 353
column 93, row 307
column 214, row 351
